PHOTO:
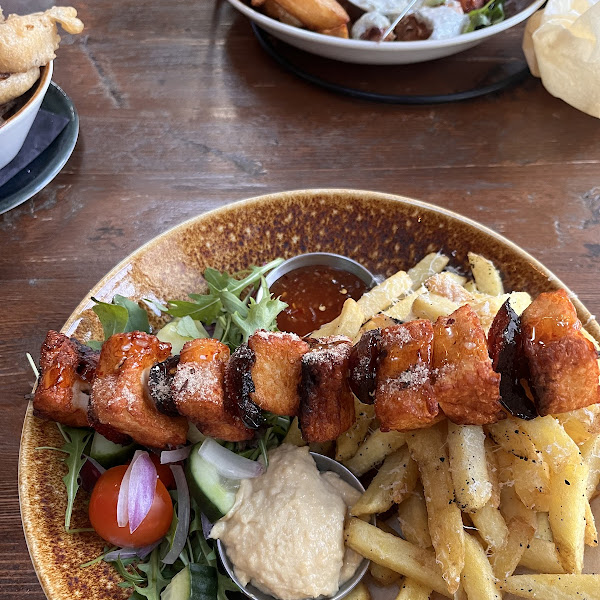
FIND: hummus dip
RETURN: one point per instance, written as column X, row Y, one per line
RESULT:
column 285, row 532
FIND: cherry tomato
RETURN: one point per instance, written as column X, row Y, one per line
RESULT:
column 103, row 512
column 164, row 472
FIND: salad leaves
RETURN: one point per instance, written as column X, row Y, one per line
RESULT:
column 490, row 14
column 75, row 442
column 118, row 317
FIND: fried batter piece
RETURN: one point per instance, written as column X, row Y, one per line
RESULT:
column 404, row 398
column 16, row 84
column 563, row 363
column 120, row 398
column 67, row 372
column 326, row 402
column 28, row 41
column 198, row 391
column 276, row 370
column 465, row 385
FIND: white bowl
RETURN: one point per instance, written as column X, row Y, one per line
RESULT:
column 381, row 53
column 15, row 130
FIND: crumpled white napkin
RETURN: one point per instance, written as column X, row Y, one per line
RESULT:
column 562, row 46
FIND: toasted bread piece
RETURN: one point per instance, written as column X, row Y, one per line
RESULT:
column 563, row 363
column 198, row 391
column 404, row 398
column 465, row 385
column 276, row 371
column 119, row 394
column 67, row 371
column 326, row 402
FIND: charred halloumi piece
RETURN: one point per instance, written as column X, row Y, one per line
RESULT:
column 276, row 370
column 465, row 385
column 67, row 372
column 198, row 391
column 120, row 398
column 326, row 401
column 563, row 365
column 404, row 397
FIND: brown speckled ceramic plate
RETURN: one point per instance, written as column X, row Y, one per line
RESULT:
column 386, row 233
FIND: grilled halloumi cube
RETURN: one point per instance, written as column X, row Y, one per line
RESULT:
column 120, row 399
column 326, row 402
column 465, row 385
column 562, row 362
column 276, row 371
column 199, row 394
column 404, row 397
column 67, row 371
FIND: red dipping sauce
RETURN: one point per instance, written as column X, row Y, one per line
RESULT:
column 315, row 295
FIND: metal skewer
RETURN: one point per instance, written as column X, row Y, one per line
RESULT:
column 398, row 19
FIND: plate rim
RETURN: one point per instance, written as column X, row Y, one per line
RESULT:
column 69, row 326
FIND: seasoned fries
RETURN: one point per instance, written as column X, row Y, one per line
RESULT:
column 374, row 449
column 396, row 554
column 445, row 522
column 553, row 587
column 524, row 485
column 394, row 481
column 468, row 464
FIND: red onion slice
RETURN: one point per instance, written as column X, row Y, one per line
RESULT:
column 173, row 456
column 142, row 487
column 227, row 463
column 123, row 499
column 124, row 553
column 183, row 516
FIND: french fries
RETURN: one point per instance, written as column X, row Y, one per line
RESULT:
column 411, row 590
column 487, row 278
column 525, row 486
column 360, row 592
column 383, row 295
column 506, row 559
column 346, row 446
column 568, row 483
column 477, row 577
column 445, row 522
column 468, row 465
column 553, row 587
column 412, row 516
column 374, row 449
column 395, row 479
column 396, row 554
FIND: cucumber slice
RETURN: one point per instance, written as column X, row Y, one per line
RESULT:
column 194, row 582
column 109, row 454
column 214, row 494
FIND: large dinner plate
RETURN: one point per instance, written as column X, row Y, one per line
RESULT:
column 387, row 53
column 384, row 232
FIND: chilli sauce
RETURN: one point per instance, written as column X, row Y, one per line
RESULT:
column 315, row 295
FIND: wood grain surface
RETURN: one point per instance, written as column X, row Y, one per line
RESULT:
column 182, row 111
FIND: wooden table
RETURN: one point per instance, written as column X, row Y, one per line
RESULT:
column 181, row 112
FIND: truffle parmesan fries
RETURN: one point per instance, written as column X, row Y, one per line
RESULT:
column 473, row 415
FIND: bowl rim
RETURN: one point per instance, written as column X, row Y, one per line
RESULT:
column 386, row 47
column 42, row 86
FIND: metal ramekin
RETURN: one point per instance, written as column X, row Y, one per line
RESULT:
column 323, row 463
